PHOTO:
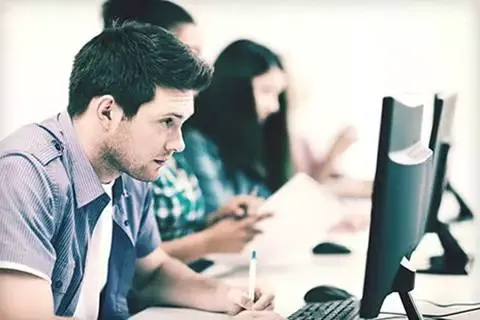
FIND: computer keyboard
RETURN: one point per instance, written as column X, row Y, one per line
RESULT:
column 338, row 310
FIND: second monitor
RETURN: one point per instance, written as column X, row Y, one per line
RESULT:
column 454, row 260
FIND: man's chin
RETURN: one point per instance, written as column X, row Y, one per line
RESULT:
column 146, row 176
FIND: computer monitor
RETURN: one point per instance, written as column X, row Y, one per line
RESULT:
column 399, row 205
column 454, row 260
column 443, row 138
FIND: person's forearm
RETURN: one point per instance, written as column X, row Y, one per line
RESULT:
column 323, row 170
column 23, row 316
column 326, row 168
column 189, row 248
column 175, row 284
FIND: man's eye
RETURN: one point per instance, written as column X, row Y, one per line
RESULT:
column 168, row 122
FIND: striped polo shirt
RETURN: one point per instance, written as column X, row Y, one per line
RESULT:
column 50, row 200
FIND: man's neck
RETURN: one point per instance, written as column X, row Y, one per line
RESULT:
column 91, row 145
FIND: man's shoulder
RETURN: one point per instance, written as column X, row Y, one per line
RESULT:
column 36, row 147
column 32, row 141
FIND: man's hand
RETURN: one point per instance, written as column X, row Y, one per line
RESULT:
column 238, row 301
column 236, row 207
column 231, row 235
column 174, row 284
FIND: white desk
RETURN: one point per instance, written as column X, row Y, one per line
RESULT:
column 290, row 282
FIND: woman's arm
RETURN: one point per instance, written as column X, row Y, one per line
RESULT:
column 324, row 169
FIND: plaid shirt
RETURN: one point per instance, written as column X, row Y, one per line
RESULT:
column 177, row 200
column 217, row 186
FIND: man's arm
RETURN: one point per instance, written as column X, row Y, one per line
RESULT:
column 163, row 280
column 167, row 281
column 26, row 254
column 24, row 296
column 188, row 248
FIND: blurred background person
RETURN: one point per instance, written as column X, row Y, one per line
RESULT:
column 237, row 142
column 325, row 167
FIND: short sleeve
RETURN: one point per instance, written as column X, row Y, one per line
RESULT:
column 26, row 217
column 148, row 235
column 263, row 191
column 209, row 170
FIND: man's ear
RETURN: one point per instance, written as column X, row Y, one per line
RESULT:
column 108, row 112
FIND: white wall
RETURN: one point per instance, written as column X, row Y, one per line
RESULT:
column 349, row 54
column 39, row 40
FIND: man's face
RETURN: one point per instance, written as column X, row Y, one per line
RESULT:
column 141, row 145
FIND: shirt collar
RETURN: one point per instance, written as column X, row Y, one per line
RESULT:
column 86, row 184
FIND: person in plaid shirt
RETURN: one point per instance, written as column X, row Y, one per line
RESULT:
column 187, row 229
column 178, row 201
column 188, row 232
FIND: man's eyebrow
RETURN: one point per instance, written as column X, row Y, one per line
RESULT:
column 173, row 114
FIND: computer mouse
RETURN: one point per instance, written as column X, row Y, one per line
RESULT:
column 330, row 248
column 325, row 294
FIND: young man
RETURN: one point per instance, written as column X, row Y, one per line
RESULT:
column 188, row 231
column 76, row 223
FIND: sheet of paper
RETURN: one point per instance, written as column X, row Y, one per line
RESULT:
column 303, row 213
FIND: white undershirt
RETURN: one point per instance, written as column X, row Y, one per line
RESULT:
column 96, row 264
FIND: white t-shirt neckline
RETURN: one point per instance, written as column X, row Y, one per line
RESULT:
column 96, row 264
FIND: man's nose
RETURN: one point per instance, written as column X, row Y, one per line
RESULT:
column 176, row 143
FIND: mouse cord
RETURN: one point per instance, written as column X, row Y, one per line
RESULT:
column 450, row 305
column 402, row 317
column 435, row 316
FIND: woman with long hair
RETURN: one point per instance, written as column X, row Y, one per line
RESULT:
column 237, row 142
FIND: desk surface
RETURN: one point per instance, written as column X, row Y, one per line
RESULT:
column 291, row 281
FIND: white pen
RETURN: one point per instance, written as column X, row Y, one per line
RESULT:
column 252, row 275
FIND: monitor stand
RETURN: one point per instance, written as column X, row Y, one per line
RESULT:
column 403, row 284
column 465, row 213
column 454, row 261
